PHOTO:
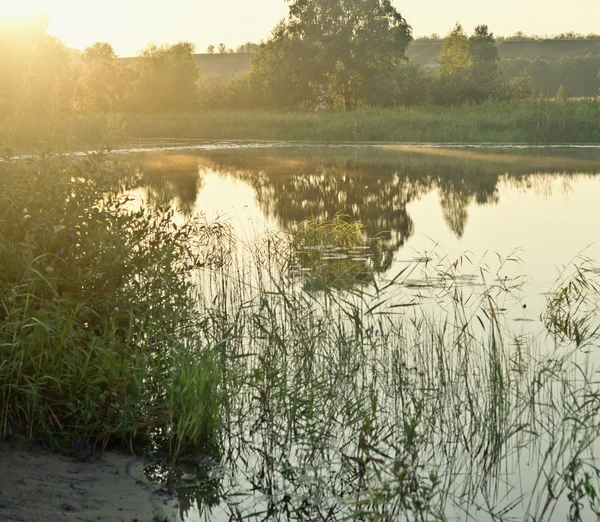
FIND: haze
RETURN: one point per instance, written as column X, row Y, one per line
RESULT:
column 131, row 25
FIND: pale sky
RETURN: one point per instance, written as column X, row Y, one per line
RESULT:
column 129, row 25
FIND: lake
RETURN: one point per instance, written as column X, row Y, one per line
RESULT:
column 447, row 376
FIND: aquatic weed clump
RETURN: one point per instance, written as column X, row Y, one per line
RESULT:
column 95, row 307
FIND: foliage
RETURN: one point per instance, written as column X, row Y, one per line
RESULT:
column 168, row 78
column 326, row 55
column 486, row 63
column 456, row 60
column 104, row 84
column 248, row 47
column 562, row 94
column 578, row 74
column 330, row 53
column 520, row 87
column 469, row 67
column 95, row 310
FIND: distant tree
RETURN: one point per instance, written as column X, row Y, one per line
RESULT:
column 520, row 87
column 248, row 47
column 168, row 78
column 455, row 70
column 469, row 67
column 222, row 48
column 100, row 51
column 408, row 84
column 455, row 59
column 486, row 76
column 210, row 49
column 433, row 37
column 331, row 53
column 562, row 94
column 578, row 74
column 104, row 83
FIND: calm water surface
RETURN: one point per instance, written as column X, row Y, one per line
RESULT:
column 537, row 204
column 504, row 214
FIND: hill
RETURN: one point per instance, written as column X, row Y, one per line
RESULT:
column 427, row 53
column 216, row 67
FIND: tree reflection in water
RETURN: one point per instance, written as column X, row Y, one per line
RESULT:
column 370, row 184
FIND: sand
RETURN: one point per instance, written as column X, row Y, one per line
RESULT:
column 38, row 485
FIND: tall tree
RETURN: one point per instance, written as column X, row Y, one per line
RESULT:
column 168, row 78
column 469, row 67
column 332, row 50
column 455, row 57
column 104, row 83
column 485, row 70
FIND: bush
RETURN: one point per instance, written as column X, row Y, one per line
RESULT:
column 95, row 309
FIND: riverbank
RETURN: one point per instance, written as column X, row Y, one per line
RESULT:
column 534, row 122
column 37, row 485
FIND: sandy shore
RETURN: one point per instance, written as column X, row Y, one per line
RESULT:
column 38, row 485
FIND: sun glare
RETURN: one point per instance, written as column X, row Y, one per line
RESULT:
column 22, row 8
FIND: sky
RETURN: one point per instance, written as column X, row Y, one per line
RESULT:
column 130, row 25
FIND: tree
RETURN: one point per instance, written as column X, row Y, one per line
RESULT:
column 455, row 57
column 210, row 49
column 100, row 51
column 456, row 64
column 332, row 52
column 248, row 47
column 469, row 67
column 520, row 87
column 222, row 48
column 485, row 68
column 168, row 78
column 562, row 94
column 104, row 83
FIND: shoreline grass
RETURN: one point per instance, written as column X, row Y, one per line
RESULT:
column 535, row 122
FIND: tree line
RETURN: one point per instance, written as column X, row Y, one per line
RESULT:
column 337, row 55
column 520, row 36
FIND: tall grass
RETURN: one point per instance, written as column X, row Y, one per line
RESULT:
column 96, row 321
column 377, row 403
column 540, row 122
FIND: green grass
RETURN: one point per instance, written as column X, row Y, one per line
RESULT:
column 493, row 122
column 96, row 312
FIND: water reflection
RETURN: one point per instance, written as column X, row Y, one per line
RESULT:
column 311, row 433
column 373, row 185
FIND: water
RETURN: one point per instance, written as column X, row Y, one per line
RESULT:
column 539, row 203
column 499, row 436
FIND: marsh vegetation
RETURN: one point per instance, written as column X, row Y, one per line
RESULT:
column 311, row 370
